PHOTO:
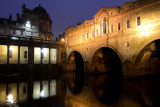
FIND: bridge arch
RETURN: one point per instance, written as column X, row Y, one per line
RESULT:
column 103, row 46
column 106, row 70
column 75, row 72
column 147, row 58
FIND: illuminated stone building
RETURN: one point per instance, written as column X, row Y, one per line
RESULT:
column 119, row 42
column 29, row 58
column 33, row 22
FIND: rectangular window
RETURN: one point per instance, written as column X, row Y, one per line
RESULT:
column 14, row 32
column 74, row 39
column 92, row 33
column 97, row 32
column 82, row 37
column 119, row 26
column 111, row 28
column 37, row 55
column 21, row 32
column 128, row 24
column 3, row 54
column 53, row 56
column 138, row 21
column 86, row 35
column 25, row 54
column 13, row 54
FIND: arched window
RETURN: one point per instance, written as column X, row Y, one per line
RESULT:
column 104, row 25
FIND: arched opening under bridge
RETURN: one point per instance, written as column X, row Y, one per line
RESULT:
column 75, row 72
column 106, row 70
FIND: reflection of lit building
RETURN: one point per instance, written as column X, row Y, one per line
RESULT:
column 19, row 93
column 33, row 22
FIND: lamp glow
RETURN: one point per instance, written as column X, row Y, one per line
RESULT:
column 42, row 93
column 10, row 98
column 62, row 40
column 28, row 24
column 11, row 48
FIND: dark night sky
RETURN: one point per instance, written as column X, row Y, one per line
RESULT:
column 63, row 13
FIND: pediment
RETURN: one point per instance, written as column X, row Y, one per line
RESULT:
column 103, row 10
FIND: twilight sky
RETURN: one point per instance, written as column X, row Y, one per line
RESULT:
column 63, row 13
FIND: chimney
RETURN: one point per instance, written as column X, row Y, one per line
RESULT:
column 18, row 18
column 10, row 17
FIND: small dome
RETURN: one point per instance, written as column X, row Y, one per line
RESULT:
column 40, row 10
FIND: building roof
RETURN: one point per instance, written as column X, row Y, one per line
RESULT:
column 40, row 10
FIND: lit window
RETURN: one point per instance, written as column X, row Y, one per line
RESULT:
column 82, row 37
column 104, row 25
column 74, row 39
column 92, row 33
column 128, row 24
column 138, row 21
column 28, row 24
column 119, row 26
column 86, row 35
column 97, row 32
column 111, row 28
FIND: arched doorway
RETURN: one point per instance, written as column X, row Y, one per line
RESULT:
column 75, row 72
column 106, row 68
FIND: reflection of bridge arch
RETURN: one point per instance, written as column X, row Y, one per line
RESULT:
column 75, row 72
column 148, row 59
column 106, row 70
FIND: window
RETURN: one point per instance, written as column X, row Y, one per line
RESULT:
column 14, row 31
column 82, row 37
column 25, row 54
column 128, row 24
column 97, row 32
column 10, row 53
column 104, row 25
column 119, row 26
column 86, row 35
column 138, row 21
column 111, row 28
column 21, row 32
column 92, row 33
column 74, row 39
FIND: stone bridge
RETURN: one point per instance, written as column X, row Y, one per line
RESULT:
column 119, row 42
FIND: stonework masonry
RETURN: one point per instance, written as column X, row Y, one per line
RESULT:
column 126, row 30
column 132, row 33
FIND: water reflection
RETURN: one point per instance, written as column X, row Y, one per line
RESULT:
column 16, row 93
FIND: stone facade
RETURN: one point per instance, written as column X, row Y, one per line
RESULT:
column 126, row 30
column 34, row 23
column 119, row 45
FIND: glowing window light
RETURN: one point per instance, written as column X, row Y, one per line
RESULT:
column 28, row 24
column 11, row 48
column 42, row 93
column 10, row 98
